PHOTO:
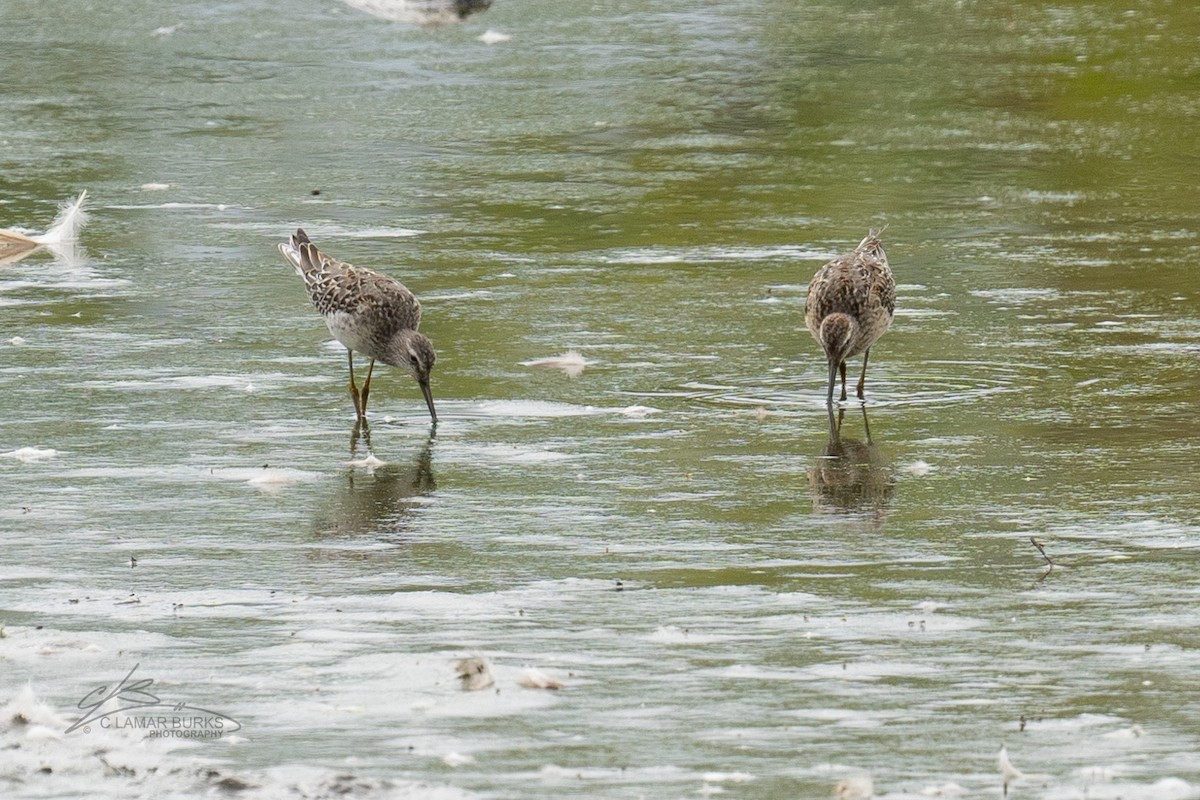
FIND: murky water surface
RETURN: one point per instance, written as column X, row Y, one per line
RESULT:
column 732, row 606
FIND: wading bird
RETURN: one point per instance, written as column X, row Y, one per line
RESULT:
column 850, row 304
column 366, row 311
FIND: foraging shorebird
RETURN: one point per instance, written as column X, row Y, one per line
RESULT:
column 850, row 304
column 366, row 311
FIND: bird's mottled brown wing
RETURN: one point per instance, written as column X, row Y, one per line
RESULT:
column 884, row 285
column 874, row 258
column 335, row 286
column 858, row 283
column 841, row 286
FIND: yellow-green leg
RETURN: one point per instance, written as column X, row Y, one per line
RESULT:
column 366, row 390
column 862, row 379
column 358, row 409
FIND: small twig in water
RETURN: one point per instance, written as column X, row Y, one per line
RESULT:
column 1041, row 549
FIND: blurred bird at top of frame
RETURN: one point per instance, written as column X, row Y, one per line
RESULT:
column 421, row 12
column 366, row 311
column 850, row 304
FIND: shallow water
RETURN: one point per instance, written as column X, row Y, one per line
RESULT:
column 731, row 605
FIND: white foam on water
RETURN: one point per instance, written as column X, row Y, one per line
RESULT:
column 1017, row 296
column 533, row 409
column 267, row 477
column 173, row 206
column 714, row 254
column 728, row 777
column 367, row 233
column 1143, row 531
column 245, row 383
column 675, row 635
column 1068, row 198
column 504, row 454
column 197, row 474
column 29, row 455
column 474, row 294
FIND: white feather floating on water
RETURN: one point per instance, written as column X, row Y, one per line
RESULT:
column 533, row 678
column 67, row 225
column 369, row 462
column 918, row 468
column 569, row 362
column 491, row 36
column 16, row 244
column 858, row 787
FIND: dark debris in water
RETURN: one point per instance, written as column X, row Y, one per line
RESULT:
column 344, row 785
column 226, row 783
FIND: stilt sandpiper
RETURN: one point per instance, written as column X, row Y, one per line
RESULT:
column 850, row 304
column 366, row 311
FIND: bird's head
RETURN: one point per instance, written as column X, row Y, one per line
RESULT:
column 873, row 244
column 837, row 335
column 413, row 352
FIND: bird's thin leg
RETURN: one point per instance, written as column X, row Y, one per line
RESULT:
column 862, row 379
column 353, row 387
column 843, row 368
column 361, row 430
column 366, row 390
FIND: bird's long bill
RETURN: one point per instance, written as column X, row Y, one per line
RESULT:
column 832, row 382
column 429, row 400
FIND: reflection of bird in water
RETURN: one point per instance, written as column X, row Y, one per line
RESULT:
column 366, row 311
column 380, row 500
column 850, row 475
column 421, row 12
column 61, row 238
column 850, row 304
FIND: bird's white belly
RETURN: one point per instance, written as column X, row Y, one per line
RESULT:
column 348, row 330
